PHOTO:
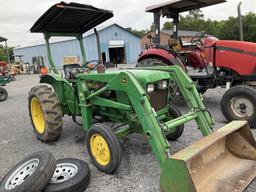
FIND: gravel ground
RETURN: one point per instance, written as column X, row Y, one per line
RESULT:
column 139, row 170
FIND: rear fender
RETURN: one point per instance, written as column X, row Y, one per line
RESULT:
column 162, row 55
column 64, row 92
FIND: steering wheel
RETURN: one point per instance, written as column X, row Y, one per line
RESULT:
column 92, row 65
column 198, row 38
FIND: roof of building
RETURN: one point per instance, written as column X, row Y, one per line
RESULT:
column 66, row 39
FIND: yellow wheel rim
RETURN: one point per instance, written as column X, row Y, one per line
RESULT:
column 100, row 149
column 37, row 115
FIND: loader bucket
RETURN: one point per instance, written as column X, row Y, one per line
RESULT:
column 224, row 161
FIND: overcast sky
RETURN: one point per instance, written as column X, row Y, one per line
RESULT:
column 16, row 16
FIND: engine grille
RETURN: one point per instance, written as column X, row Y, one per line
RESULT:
column 158, row 99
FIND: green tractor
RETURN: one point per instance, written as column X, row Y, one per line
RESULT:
column 3, row 91
column 138, row 100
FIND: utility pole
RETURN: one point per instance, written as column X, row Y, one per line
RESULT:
column 240, row 19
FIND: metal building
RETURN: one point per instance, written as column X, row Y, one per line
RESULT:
column 118, row 45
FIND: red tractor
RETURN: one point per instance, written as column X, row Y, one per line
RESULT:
column 5, row 72
column 210, row 62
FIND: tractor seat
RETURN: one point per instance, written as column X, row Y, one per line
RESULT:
column 69, row 71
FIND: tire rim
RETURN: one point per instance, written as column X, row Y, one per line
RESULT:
column 242, row 107
column 37, row 115
column 64, row 172
column 100, row 149
column 21, row 174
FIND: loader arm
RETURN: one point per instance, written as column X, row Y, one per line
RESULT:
column 126, row 82
column 147, row 116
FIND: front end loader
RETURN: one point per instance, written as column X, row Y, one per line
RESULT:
column 136, row 101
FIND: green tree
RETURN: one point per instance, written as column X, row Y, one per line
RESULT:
column 139, row 33
column 225, row 29
column 196, row 14
column 249, row 25
column 168, row 25
column 194, row 21
column 3, row 56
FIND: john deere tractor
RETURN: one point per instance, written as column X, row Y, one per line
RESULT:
column 138, row 101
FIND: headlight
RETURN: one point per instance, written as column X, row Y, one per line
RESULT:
column 150, row 88
column 162, row 85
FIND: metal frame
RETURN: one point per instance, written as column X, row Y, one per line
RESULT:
column 141, row 108
column 172, row 9
column 78, row 36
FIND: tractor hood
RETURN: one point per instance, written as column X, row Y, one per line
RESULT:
column 144, row 76
column 148, row 76
column 239, row 56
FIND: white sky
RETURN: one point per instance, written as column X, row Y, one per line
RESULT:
column 17, row 16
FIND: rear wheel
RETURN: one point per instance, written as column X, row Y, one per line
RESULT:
column 3, row 94
column 45, row 113
column 103, row 148
column 239, row 103
column 174, row 113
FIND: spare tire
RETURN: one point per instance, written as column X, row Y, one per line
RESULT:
column 31, row 174
column 71, row 175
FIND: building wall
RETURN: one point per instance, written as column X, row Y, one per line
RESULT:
column 145, row 40
column 72, row 48
column 163, row 39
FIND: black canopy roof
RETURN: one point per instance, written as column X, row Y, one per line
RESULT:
column 70, row 18
column 2, row 39
column 183, row 5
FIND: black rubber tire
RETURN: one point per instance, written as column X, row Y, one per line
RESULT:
column 37, row 181
column 78, row 183
column 238, row 91
column 113, row 145
column 51, row 111
column 175, row 113
column 3, row 94
column 12, row 77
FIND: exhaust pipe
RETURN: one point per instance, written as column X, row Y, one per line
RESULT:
column 241, row 32
column 98, row 46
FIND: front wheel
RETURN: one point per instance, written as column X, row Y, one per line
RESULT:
column 172, row 114
column 103, row 148
column 239, row 103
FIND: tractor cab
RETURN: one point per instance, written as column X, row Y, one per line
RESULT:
column 172, row 9
column 70, row 20
column 192, row 52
